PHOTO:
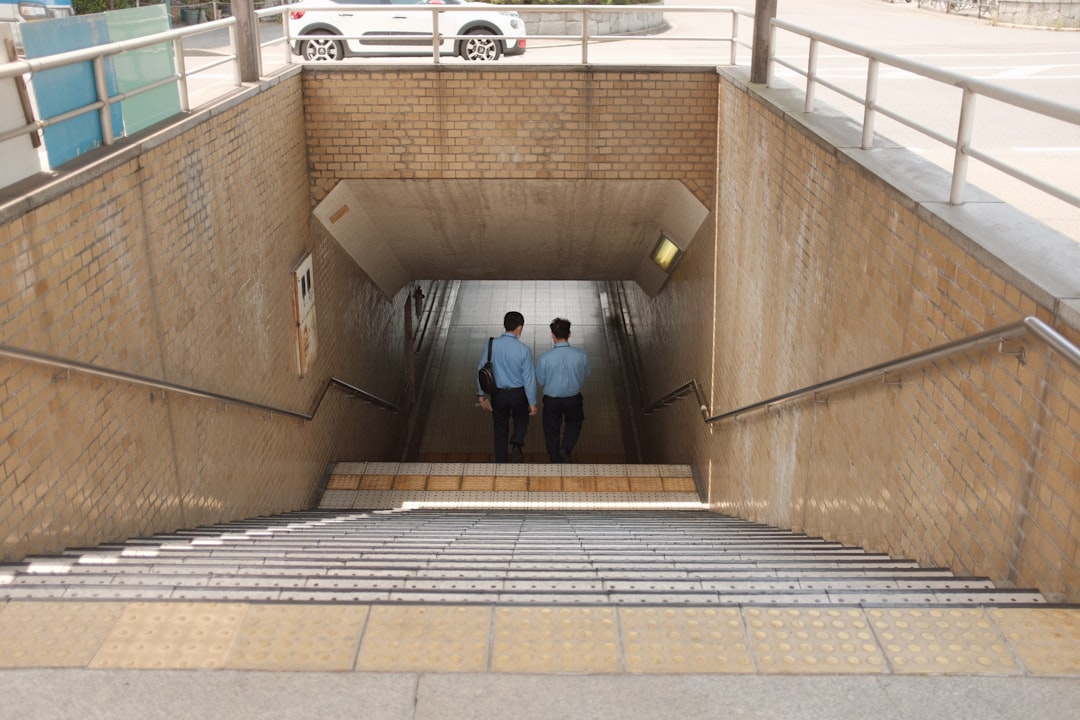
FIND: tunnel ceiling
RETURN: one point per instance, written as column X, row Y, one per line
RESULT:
column 401, row 230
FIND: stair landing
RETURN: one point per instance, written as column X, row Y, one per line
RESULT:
column 510, row 486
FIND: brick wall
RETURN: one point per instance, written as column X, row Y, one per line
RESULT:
column 821, row 268
column 172, row 260
column 531, row 124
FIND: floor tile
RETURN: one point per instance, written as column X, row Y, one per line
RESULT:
column 811, row 640
column 54, row 634
column 298, row 637
column 171, row 635
column 556, row 639
column 1047, row 640
column 942, row 641
column 685, row 640
column 426, row 639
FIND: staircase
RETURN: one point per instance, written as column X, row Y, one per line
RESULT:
column 381, row 535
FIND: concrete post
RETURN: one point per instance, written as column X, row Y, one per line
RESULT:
column 247, row 40
column 764, row 12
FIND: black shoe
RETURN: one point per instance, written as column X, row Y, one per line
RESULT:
column 564, row 455
column 516, row 455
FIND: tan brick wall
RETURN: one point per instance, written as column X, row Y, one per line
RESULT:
column 173, row 261
column 820, row 269
column 532, row 124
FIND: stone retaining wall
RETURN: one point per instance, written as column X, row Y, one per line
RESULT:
column 606, row 23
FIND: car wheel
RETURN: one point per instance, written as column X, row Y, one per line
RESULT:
column 319, row 49
column 481, row 45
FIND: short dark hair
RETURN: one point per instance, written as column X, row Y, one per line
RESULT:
column 513, row 320
column 560, row 328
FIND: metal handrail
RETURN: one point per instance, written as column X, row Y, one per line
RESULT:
column 1032, row 325
column 971, row 88
column 66, row 364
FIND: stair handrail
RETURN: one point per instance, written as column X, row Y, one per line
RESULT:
column 1029, row 325
column 68, row 364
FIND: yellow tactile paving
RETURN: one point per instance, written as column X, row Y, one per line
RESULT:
column 556, row 639
column 579, row 484
column 444, row 483
column 343, row 482
column 478, row 483
column 376, row 482
column 612, row 484
column 545, row 484
column 54, row 634
column 642, row 484
column 679, row 484
column 1047, row 640
column 171, row 635
column 315, row 637
column 685, row 640
column 410, row 482
column 298, row 637
column 812, row 640
column 511, row 484
column 426, row 639
column 942, row 641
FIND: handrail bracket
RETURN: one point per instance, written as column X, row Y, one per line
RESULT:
column 1020, row 353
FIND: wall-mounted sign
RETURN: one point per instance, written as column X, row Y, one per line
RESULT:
column 304, row 313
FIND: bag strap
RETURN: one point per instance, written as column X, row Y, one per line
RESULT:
column 490, row 340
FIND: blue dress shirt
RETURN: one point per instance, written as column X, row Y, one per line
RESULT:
column 513, row 365
column 562, row 370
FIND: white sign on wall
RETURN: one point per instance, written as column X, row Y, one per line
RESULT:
column 304, row 313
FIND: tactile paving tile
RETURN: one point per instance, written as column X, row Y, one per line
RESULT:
column 652, row 485
column 545, row 483
column 54, row 634
column 685, row 640
column 679, row 484
column 1047, row 640
column 443, row 483
column 941, row 641
column 811, row 640
column 556, row 639
column 343, row 482
column 473, row 483
column 338, row 500
column 376, row 482
column 171, row 635
column 407, row 483
column 298, row 637
column 612, row 485
column 426, row 639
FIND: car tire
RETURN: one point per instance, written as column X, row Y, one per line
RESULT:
column 481, row 45
column 322, row 49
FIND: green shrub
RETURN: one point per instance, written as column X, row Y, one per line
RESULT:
column 89, row 7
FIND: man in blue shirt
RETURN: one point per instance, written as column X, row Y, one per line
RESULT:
column 562, row 370
column 512, row 362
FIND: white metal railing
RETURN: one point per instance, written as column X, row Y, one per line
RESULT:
column 961, row 143
column 583, row 39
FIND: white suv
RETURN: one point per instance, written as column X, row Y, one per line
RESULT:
column 342, row 31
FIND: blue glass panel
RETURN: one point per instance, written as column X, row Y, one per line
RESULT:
column 62, row 89
column 137, row 68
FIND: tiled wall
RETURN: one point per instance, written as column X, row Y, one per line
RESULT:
column 172, row 260
column 820, row 268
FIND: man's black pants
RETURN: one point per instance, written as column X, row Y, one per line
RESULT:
column 557, row 410
column 509, row 403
